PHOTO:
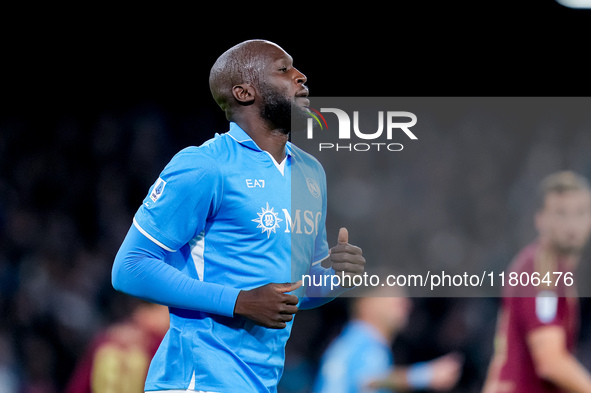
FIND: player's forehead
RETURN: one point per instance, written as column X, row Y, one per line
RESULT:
column 568, row 198
column 273, row 53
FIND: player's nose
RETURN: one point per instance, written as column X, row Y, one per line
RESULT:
column 300, row 78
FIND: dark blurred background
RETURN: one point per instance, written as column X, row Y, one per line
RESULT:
column 96, row 100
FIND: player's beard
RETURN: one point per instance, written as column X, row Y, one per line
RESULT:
column 279, row 111
column 561, row 248
column 567, row 249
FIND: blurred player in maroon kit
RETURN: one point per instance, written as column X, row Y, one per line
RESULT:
column 537, row 326
column 117, row 360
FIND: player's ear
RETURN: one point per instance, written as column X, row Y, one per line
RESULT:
column 244, row 93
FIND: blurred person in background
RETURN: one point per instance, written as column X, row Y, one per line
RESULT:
column 360, row 358
column 117, row 360
column 8, row 375
column 537, row 325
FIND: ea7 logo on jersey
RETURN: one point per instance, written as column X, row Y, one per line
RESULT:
column 157, row 190
column 268, row 220
column 252, row 183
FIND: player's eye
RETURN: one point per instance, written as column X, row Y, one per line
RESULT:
column 283, row 69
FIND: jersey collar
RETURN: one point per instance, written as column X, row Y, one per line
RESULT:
column 240, row 136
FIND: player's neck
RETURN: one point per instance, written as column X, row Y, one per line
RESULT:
column 268, row 139
column 387, row 333
column 571, row 261
column 567, row 259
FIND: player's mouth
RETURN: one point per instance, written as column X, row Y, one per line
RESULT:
column 302, row 97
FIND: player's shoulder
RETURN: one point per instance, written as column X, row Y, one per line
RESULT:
column 305, row 158
column 302, row 155
column 211, row 148
column 524, row 261
column 191, row 161
column 362, row 334
column 208, row 155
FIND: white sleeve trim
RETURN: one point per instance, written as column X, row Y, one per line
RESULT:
column 319, row 261
column 146, row 234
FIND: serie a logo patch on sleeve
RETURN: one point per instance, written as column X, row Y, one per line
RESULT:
column 546, row 306
column 157, row 190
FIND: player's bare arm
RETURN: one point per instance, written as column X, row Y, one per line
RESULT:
column 490, row 383
column 444, row 372
column 553, row 362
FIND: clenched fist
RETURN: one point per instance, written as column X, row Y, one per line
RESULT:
column 270, row 305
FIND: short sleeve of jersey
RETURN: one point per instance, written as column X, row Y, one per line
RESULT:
column 181, row 200
column 535, row 312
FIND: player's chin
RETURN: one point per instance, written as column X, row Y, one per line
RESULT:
column 570, row 248
column 299, row 108
column 299, row 114
column 303, row 102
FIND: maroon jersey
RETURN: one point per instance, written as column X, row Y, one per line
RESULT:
column 524, row 309
column 116, row 361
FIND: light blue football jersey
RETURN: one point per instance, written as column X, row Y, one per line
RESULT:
column 356, row 357
column 235, row 217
